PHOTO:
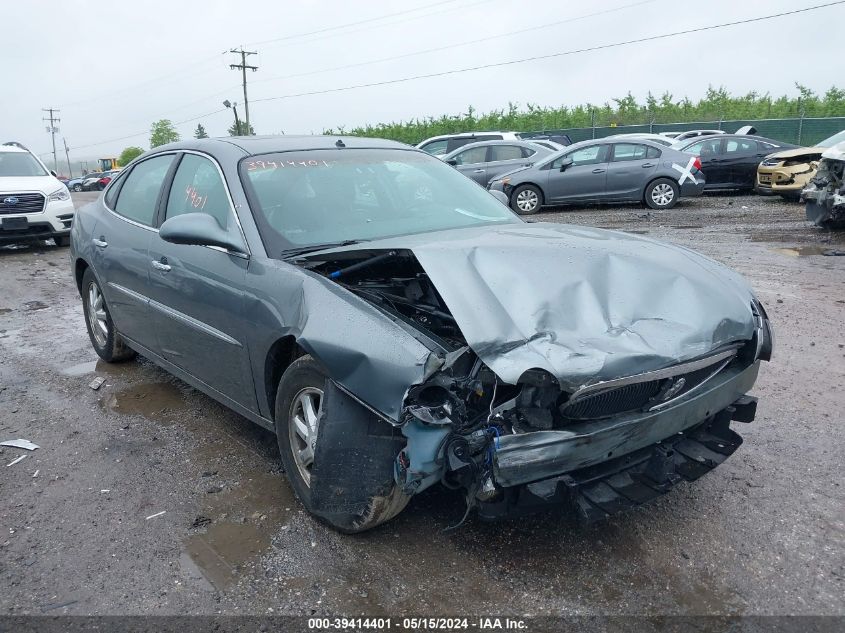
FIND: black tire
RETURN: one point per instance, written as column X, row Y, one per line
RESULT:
column 77, row 187
column 304, row 377
column 662, row 193
column 524, row 195
column 108, row 344
column 62, row 240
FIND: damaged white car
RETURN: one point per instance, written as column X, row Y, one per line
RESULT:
column 398, row 327
column 825, row 194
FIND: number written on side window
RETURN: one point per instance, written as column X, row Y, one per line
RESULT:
column 199, row 188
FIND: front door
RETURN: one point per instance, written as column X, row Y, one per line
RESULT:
column 197, row 292
column 584, row 179
column 741, row 160
column 472, row 163
column 122, row 237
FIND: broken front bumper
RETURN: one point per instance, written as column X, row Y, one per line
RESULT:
column 535, row 465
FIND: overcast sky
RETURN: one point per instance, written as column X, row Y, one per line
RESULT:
column 115, row 67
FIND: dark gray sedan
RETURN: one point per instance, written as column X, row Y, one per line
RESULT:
column 485, row 160
column 609, row 170
column 397, row 327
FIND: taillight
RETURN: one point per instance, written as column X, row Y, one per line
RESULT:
column 697, row 163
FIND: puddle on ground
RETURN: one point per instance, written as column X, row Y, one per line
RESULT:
column 95, row 366
column 803, row 251
column 159, row 401
column 244, row 519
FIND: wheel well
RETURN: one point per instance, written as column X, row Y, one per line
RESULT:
column 79, row 269
column 280, row 355
column 649, row 183
column 533, row 184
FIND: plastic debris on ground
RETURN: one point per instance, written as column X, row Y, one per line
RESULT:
column 20, row 443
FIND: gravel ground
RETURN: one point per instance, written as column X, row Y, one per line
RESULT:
column 147, row 497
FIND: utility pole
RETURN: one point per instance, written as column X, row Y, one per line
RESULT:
column 67, row 155
column 242, row 67
column 52, row 130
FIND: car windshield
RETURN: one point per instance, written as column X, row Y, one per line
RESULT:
column 833, row 140
column 20, row 164
column 328, row 196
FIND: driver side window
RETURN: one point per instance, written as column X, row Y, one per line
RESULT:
column 705, row 148
column 592, row 155
column 198, row 188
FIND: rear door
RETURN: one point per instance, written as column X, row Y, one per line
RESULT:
column 710, row 149
column 631, row 166
column 584, row 179
column 121, row 238
column 504, row 158
column 197, row 292
column 742, row 156
column 472, row 163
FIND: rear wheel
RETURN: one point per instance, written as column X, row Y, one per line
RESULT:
column 106, row 341
column 77, row 187
column 661, row 194
column 526, row 199
column 299, row 402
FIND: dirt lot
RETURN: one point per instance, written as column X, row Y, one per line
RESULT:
column 82, row 529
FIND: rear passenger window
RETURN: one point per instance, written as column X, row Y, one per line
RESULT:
column 653, row 152
column 471, row 156
column 111, row 194
column 506, row 152
column 628, row 151
column 198, row 188
column 139, row 194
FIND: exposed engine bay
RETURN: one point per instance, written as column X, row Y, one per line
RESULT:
column 825, row 194
column 463, row 413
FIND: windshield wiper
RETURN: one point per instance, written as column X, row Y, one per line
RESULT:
column 302, row 250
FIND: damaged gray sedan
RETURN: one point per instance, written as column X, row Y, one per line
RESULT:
column 398, row 327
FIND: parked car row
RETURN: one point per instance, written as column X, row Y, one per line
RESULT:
column 534, row 172
column 94, row 181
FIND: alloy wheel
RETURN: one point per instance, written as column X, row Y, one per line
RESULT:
column 662, row 194
column 303, row 427
column 97, row 317
column 527, row 200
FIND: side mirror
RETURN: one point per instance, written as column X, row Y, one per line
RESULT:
column 199, row 229
column 53, row 173
column 453, row 162
column 566, row 162
column 500, row 196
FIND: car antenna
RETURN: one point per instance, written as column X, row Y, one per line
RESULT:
column 339, row 143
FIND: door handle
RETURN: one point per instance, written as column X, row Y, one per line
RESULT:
column 102, row 243
column 478, row 171
column 598, row 171
column 162, row 265
column 647, row 165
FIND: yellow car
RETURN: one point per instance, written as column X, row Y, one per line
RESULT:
column 786, row 173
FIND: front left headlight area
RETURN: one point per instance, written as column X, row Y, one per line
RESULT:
column 60, row 195
column 765, row 334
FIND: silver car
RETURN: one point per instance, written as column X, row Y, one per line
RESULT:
column 484, row 161
column 604, row 170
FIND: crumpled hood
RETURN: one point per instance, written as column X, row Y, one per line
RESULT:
column 584, row 304
column 797, row 153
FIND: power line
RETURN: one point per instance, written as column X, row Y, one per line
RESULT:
column 343, row 26
column 128, row 136
column 456, row 45
column 243, row 66
column 550, row 55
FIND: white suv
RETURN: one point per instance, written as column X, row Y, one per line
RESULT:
column 447, row 143
column 34, row 205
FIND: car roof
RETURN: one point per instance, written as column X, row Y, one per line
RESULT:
column 254, row 145
column 13, row 148
column 518, row 143
column 441, row 137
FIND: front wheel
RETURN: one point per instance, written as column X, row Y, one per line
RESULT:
column 526, row 199
column 77, row 187
column 108, row 344
column 299, row 402
column 661, row 194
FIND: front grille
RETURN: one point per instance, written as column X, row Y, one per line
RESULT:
column 21, row 203
column 638, row 395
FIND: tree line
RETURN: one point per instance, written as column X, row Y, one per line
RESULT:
column 716, row 104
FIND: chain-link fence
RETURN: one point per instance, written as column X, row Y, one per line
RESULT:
column 804, row 131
